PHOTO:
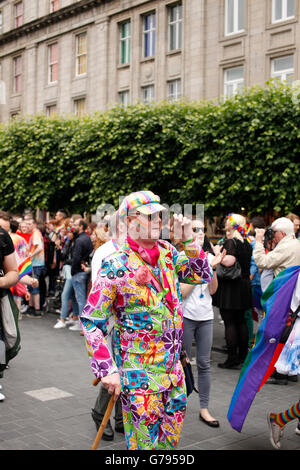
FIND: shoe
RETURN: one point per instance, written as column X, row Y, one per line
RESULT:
column 2, row 397
column 70, row 321
column 36, row 314
column 276, row 432
column 76, row 326
column 60, row 324
column 230, row 364
column 29, row 311
column 297, row 430
column 108, row 433
column 277, row 379
column 119, row 428
column 213, row 424
column 292, row 378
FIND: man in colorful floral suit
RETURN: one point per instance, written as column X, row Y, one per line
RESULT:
column 139, row 286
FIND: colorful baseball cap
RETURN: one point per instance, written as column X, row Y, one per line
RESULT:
column 145, row 202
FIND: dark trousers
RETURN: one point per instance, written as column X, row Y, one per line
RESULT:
column 102, row 403
column 236, row 333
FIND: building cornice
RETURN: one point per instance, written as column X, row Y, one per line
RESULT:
column 51, row 18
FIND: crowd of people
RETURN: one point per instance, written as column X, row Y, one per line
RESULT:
column 113, row 270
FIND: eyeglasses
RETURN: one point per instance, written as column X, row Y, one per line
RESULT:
column 198, row 229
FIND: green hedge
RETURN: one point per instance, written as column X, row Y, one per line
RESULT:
column 241, row 153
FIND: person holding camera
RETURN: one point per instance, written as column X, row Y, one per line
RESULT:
column 286, row 251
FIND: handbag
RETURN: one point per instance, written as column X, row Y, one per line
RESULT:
column 232, row 273
column 9, row 315
column 188, row 373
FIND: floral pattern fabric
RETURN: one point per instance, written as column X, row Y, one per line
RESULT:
column 147, row 314
column 154, row 421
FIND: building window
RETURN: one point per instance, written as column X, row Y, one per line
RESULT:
column 148, row 93
column 17, row 65
column 234, row 16
column 54, row 5
column 125, row 39
column 124, row 97
column 175, row 27
column 81, row 54
column 283, row 68
column 233, row 81
column 149, row 24
column 53, row 63
column 80, row 107
column 282, row 10
column 18, row 14
column 51, row 110
column 174, row 89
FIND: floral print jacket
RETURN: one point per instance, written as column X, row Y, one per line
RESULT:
column 146, row 304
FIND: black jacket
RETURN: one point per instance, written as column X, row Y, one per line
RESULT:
column 82, row 248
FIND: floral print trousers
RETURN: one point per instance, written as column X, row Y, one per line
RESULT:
column 154, row 421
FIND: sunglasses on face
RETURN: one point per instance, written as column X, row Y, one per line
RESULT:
column 198, row 229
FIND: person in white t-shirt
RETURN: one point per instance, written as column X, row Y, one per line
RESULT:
column 198, row 318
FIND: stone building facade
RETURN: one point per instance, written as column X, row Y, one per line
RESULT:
column 81, row 56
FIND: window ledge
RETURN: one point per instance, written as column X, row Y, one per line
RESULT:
column 148, row 59
column 174, row 52
column 79, row 77
column 278, row 24
column 123, row 66
column 233, row 36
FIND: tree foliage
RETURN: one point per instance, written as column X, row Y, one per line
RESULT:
column 243, row 152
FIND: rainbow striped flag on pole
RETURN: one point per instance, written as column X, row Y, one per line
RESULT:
column 25, row 268
column 261, row 359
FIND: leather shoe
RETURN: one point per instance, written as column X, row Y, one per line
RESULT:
column 277, row 379
column 230, row 364
column 213, row 424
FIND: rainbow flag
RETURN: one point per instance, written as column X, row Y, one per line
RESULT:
column 260, row 361
column 25, row 267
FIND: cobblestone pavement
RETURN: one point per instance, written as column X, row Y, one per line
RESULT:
column 49, row 396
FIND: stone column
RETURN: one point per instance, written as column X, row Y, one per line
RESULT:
column 29, row 90
column 99, row 84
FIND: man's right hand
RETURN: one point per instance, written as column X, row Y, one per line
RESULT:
column 112, row 384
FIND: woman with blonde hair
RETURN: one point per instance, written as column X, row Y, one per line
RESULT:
column 234, row 295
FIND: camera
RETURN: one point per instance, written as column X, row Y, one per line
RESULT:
column 268, row 240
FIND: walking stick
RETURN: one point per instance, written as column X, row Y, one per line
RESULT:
column 105, row 418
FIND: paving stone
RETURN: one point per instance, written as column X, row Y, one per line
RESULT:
column 57, row 359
